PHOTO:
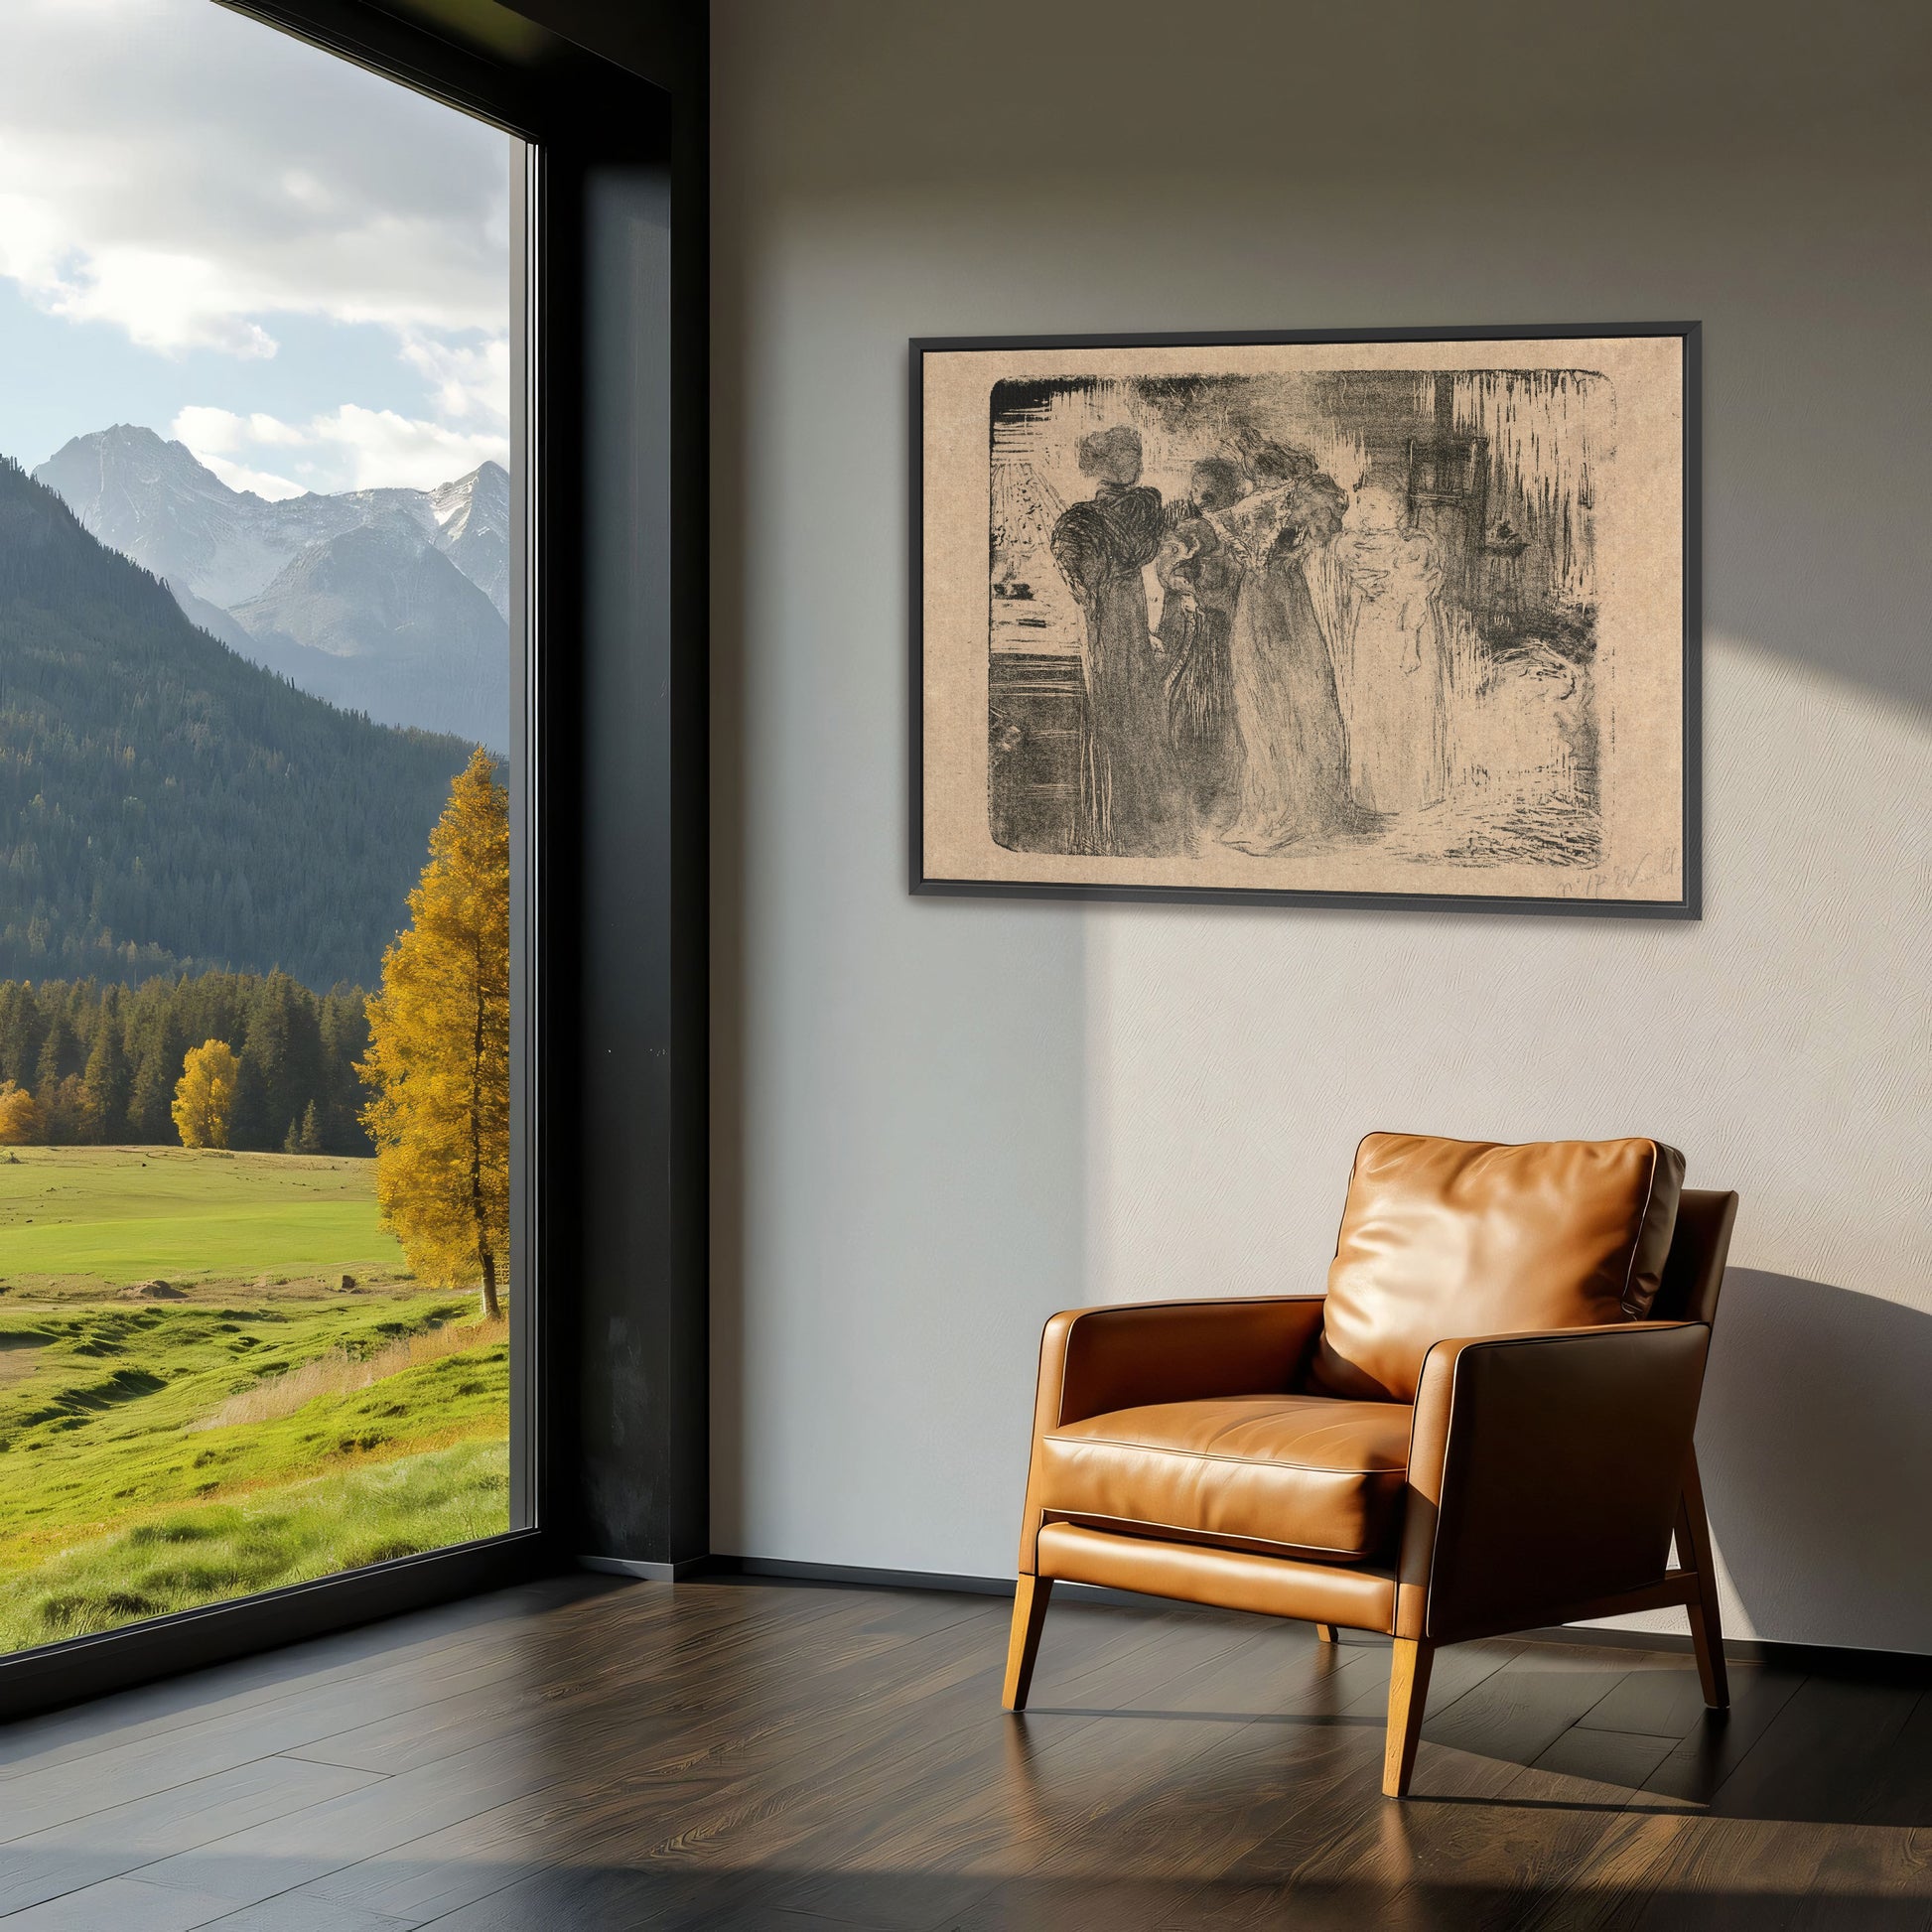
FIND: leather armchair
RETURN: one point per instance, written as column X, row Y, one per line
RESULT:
column 1464, row 1484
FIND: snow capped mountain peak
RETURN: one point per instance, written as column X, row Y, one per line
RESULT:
column 106, row 472
column 158, row 503
column 129, row 456
column 484, row 490
column 472, row 514
column 357, row 596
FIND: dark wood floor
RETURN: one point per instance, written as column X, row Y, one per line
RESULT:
column 582, row 1754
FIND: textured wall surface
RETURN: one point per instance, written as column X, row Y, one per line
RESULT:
column 938, row 1121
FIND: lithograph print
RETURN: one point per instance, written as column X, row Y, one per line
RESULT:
column 1367, row 618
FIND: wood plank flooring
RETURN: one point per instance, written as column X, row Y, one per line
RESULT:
column 587, row 1753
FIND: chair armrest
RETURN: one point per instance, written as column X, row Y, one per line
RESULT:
column 1544, row 1471
column 1093, row 1361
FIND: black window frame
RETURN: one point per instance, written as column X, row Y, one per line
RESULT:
column 609, row 1048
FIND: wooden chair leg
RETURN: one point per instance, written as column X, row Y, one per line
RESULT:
column 1023, row 1644
column 1407, row 1694
column 1694, row 1552
column 1325, row 1633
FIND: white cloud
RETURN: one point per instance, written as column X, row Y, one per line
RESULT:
column 347, row 447
column 210, row 431
column 202, row 429
column 466, row 379
column 272, row 430
column 197, row 180
column 224, row 175
column 392, row 449
column 164, row 301
column 218, row 437
column 263, row 483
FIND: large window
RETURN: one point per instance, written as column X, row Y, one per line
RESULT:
column 260, row 639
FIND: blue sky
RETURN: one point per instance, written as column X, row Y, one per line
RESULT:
column 299, row 269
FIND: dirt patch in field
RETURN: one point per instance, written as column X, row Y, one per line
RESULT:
column 18, row 1356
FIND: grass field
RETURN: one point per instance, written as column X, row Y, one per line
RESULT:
column 108, row 1216
column 261, row 1426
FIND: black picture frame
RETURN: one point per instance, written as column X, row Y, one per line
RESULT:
column 1687, row 906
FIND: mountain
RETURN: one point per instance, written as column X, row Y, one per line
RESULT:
column 375, row 620
column 218, row 622
column 473, row 517
column 166, row 806
column 155, row 503
column 219, row 548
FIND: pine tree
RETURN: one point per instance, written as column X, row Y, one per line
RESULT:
column 150, row 1104
column 61, row 1052
column 63, row 1112
column 249, row 1121
column 438, row 1063
column 105, row 1085
column 283, row 1050
column 21, row 1033
column 309, row 1140
column 345, row 1028
column 205, row 1098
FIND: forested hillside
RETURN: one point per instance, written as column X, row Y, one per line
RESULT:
column 166, row 806
column 100, row 1062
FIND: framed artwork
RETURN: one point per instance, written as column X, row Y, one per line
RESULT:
column 1395, row 617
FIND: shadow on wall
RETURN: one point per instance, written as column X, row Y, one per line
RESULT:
column 1816, row 1439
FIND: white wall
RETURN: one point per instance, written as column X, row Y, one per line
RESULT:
column 938, row 1121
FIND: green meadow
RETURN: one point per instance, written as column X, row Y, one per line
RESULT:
column 103, row 1216
column 289, row 1404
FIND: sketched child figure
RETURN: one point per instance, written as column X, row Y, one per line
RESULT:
column 1392, row 693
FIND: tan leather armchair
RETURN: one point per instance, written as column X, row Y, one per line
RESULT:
column 1483, row 1426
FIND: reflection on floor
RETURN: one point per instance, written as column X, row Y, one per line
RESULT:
column 584, row 1755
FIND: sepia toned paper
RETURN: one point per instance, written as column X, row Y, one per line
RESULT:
column 1349, row 618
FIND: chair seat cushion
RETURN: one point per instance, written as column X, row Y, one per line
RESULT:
column 1296, row 1473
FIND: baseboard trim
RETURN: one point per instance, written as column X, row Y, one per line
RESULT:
column 1814, row 1659
column 82, row 1668
column 1824, row 1660
column 782, row 1570
column 650, row 1573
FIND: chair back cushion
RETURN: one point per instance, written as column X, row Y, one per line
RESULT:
column 1454, row 1238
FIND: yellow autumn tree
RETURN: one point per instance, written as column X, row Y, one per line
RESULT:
column 20, row 1116
column 439, row 1059
column 205, row 1094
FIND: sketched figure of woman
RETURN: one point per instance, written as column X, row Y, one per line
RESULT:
column 1293, row 782
column 1200, row 578
column 1397, row 740
column 1130, row 790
